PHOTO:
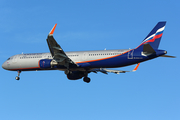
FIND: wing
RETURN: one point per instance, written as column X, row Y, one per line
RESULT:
column 57, row 52
column 105, row 71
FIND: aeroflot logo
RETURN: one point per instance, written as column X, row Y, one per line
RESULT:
column 33, row 54
column 158, row 32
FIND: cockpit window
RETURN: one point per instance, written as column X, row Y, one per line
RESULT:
column 8, row 59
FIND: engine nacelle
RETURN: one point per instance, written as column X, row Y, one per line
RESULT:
column 47, row 63
column 74, row 75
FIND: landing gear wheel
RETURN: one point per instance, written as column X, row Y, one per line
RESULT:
column 17, row 78
column 86, row 79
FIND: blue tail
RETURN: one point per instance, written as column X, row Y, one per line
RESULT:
column 154, row 37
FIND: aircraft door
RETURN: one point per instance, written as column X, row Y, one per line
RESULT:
column 45, row 56
column 14, row 60
column 130, row 54
column 85, row 55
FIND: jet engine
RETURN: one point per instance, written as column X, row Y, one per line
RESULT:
column 74, row 75
column 47, row 63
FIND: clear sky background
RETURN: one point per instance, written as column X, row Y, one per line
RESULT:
column 150, row 93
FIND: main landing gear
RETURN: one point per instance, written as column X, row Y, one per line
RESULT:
column 17, row 77
column 86, row 78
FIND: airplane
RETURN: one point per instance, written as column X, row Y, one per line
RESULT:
column 79, row 64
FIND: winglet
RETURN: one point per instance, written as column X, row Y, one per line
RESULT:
column 52, row 30
column 136, row 67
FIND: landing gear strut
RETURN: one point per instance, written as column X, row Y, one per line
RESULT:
column 86, row 79
column 17, row 77
column 66, row 71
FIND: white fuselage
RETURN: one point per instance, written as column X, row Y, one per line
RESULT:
column 31, row 61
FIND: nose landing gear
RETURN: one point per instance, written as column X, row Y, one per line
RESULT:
column 17, row 77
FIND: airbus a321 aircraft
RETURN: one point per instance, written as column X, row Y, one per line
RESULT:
column 79, row 64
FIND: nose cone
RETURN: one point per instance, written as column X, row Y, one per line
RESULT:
column 4, row 65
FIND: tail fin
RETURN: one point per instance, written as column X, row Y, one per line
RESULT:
column 154, row 37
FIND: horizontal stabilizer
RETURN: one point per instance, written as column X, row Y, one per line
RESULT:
column 168, row 56
column 148, row 49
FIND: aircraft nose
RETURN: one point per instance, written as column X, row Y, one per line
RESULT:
column 4, row 65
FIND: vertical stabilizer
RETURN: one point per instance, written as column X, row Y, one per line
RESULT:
column 154, row 37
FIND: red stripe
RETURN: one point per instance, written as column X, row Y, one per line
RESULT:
column 154, row 38
column 151, row 40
